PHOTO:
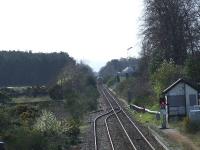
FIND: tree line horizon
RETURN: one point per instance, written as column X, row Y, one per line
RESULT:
column 22, row 68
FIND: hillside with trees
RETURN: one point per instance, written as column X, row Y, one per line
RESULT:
column 44, row 117
column 26, row 68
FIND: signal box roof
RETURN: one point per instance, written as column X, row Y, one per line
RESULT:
column 177, row 82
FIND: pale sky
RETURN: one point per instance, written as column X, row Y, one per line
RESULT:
column 94, row 31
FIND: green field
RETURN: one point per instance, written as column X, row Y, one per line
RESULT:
column 24, row 99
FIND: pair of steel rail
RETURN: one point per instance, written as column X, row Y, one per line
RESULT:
column 114, row 112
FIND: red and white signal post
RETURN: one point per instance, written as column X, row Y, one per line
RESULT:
column 163, row 112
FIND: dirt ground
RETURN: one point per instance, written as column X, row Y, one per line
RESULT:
column 180, row 139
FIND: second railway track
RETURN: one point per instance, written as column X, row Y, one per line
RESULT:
column 102, row 141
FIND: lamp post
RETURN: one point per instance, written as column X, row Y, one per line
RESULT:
column 128, row 49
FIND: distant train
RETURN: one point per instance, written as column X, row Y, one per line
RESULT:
column 99, row 80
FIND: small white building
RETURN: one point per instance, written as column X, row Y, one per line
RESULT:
column 180, row 97
column 125, row 73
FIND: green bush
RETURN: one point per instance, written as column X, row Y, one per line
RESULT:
column 141, row 101
column 125, row 86
column 82, row 98
column 165, row 75
column 111, row 81
column 26, row 113
column 22, row 138
column 73, row 131
column 4, row 120
column 47, row 133
column 56, row 92
column 60, row 134
column 132, row 89
column 4, row 98
column 43, row 133
column 48, row 124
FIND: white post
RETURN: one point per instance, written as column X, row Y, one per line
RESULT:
column 166, row 109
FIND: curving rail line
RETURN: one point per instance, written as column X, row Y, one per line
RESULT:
column 115, row 110
column 95, row 128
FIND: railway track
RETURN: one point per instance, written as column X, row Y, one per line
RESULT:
column 121, row 131
column 101, row 131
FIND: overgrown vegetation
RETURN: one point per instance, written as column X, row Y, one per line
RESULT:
column 78, row 91
column 166, row 74
column 23, row 128
column 191, row 126
column 4, row 98
column 45, row 117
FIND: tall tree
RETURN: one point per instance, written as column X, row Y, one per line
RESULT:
column 171, row 30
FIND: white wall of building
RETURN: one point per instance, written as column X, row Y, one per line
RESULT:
column 184, row 89
column 190, row 91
